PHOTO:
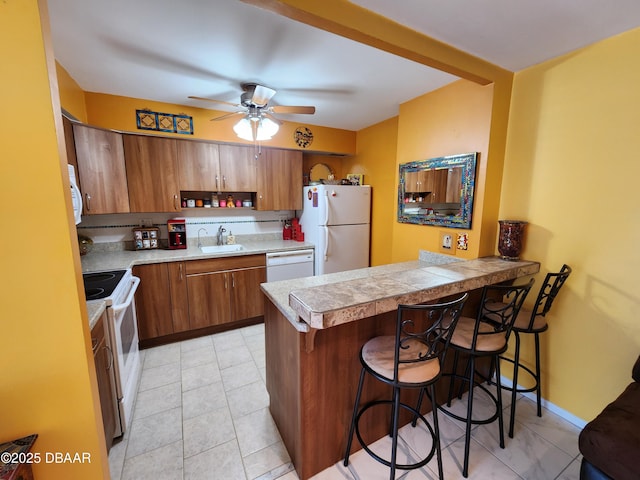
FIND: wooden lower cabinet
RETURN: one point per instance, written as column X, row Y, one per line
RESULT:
column 103, row 360
column 179, row 300
column 225, row 290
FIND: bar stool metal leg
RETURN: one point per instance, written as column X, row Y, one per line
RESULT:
column 514, row 387
column 353, row 419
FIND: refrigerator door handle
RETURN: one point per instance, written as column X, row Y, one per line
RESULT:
column 327, row 205
column 326, row 243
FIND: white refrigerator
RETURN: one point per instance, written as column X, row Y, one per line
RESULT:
column 336, row 219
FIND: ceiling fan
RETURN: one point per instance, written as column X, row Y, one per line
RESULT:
column 258, row 122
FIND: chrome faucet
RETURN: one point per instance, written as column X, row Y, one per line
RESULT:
column 221, row 230
column 199, row 242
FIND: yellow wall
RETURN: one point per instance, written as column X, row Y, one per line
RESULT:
column 71, row 95
column 48, row 382
column 572, row 171
column 376, row 159
column 119, row 113
column 453, row 119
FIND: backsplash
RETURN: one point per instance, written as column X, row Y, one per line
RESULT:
column 117, row 228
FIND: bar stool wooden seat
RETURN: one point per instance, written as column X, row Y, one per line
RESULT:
column 533, row 322
column 410, row 359
column 486, row 335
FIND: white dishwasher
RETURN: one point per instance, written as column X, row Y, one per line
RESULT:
column 287, row 265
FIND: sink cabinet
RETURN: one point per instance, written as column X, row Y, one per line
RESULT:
column 225, row 290
column 103, row 360
column 152, row 174
column 178, row 300
column 101, row 170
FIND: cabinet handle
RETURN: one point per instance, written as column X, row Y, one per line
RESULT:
column 94, row 344
column 108, row 349
column 233, row 280
column 217, row 186
column 176, row 204
column 224, row 181
column 225, row 282
column 180, row 271
column 87, row 202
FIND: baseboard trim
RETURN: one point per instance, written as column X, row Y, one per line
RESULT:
column 568, row 416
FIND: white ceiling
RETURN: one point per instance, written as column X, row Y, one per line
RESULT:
column 166, row 50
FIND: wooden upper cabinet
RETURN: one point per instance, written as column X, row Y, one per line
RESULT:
column 101, row 170
column 152, row 174
column 279, row 180
column 207, row 166
column 199, row 165
column 238, row 169
column 454, row 185
column 437, row 184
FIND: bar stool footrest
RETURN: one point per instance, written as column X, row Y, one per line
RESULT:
column 416, row 414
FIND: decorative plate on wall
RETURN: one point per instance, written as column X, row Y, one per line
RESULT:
column 303, row 137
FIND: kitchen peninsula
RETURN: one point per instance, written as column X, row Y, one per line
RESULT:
column 314, row 328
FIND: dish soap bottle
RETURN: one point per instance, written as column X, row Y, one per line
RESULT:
column 231, row 239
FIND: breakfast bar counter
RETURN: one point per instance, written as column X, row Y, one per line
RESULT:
column 314, row 328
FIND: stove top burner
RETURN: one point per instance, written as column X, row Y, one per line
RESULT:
column 93, row 293
column 101, row 284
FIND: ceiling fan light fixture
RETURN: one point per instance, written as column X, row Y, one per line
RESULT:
column 244, row 129
column 268, row 127
column 252, row 128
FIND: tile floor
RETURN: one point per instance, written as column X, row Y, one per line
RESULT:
column 202, row 414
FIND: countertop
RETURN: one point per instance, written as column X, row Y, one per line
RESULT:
column 122, row 259
column 328, row 300
column 100, row 261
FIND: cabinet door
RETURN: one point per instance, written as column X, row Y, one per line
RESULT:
column 103, row 360
column 454, row 185
column 179, row 296
column 198, row 165
column 280, row 180
column 246, row 297
column 153, row 301
column 152, row 174
column 238, row 169
column 208, row 299
column 438, row 181
column 101, row 170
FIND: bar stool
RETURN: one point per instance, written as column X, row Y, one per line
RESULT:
column 533, row 322
column 486, row 335
column 410, row 359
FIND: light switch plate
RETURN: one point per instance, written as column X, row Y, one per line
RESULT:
column 447, row 243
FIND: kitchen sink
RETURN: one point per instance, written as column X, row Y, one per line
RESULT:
column 221, row 248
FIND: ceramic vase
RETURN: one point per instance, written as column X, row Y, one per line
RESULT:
column 511, row 238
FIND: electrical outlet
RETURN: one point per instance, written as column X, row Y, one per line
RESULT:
column 146, row 222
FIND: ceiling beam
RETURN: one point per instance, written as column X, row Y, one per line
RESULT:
column 348, row 20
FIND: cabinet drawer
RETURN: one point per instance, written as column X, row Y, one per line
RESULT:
column 221, row 264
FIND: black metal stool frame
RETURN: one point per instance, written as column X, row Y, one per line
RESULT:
column 547, row 294
column 434, row 343
column 493, row 318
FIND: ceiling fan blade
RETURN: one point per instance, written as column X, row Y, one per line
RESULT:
column 271, row 117
column 222, row 117
column 215, row 101
column 262, row 95
column 297, row 110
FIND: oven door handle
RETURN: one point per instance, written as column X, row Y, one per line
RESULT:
column 135, row 281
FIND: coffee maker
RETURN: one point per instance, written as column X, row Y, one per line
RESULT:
column 177, row 233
